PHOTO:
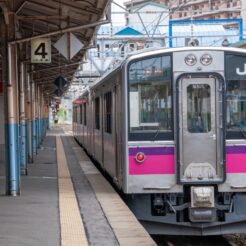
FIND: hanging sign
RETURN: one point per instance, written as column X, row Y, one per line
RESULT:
column 68, row 45
column 41, row 50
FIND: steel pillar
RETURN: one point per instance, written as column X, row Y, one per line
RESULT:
column 11, row 126
column 38, row 116
column 43, row 116
column 34, row 128
column 23, row 125
column 29, row 118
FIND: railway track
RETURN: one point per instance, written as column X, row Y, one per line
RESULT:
column 228, row 240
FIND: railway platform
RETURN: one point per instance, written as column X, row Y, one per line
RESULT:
column 66, row 201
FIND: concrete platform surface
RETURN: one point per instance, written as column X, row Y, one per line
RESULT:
column 32, row 219
column 62, row 172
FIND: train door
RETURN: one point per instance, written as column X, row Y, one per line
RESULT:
column 200, row 133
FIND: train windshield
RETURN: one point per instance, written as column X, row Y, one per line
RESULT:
column 236, row 96
column 236, row 106
column 150, row 98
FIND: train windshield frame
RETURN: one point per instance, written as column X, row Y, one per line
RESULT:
column 150, row 107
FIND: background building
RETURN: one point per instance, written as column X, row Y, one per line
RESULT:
column 148, row 14
column 198, row 9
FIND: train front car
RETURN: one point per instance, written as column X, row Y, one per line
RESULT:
column 186, row 147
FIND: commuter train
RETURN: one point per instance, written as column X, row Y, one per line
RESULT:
column 169, row 127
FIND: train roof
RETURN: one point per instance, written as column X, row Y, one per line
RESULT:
column 162, row 50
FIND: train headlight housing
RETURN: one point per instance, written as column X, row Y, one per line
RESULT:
column 202, row 196
column 140, row 157
column 190, row 60
column 206, row 59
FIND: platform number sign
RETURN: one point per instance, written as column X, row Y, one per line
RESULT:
column 41, row 50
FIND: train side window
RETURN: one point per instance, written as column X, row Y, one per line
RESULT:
column 80, row 113
column 108, row 112
column 150, row 99
column 85, row 123
column 75, row 114
column 97, row 113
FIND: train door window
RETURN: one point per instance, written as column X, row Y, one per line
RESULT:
column 97, row 113
column 108, row 112
column 198, row 108
column 85, row 123
column 81, row 115
column 150, row 99
column 77, row 114
column 235, row 96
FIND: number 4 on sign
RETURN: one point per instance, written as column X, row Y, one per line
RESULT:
column 41, row 50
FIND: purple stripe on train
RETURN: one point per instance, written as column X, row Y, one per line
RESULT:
column 236, row 150
column 152, row 150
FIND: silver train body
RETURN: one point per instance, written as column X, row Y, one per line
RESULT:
column 169, row 127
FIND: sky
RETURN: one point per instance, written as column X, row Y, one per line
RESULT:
column 118, row 19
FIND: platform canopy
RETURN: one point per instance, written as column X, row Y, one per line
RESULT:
column 32, row 19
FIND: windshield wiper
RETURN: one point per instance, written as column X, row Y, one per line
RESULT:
column 156, row 134
column 243, row 132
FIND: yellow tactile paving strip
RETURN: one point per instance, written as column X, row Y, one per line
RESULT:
column 127, row 229
column 72, row 229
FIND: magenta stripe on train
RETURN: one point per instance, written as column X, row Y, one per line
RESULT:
column 159, row 160
column 236, row 163
column 153, row 164
column 236, row 159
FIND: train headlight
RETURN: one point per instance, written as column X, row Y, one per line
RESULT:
column 140, row 157
column 190, row 60
column 202, row 196
column 206, row 59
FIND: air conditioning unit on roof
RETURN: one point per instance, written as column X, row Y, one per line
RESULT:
column 191, row 42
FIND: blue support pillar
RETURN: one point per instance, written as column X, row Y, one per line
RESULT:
column 34, row 137
column 23, row 148
column 12, row 154
column 23, row 126
column 37, row 133
column 11, row 126
column 41, row 130
column 48, row 122
column 29, row 136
